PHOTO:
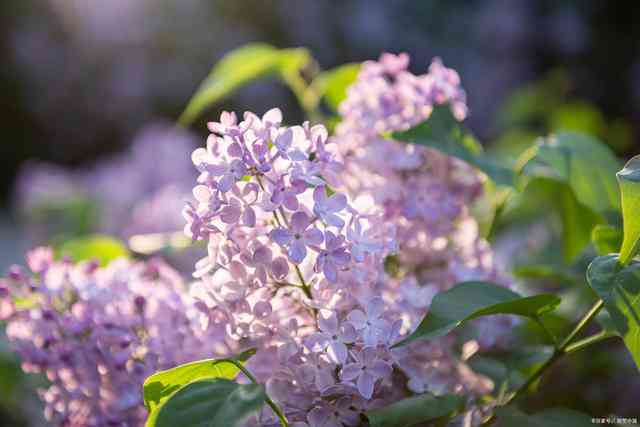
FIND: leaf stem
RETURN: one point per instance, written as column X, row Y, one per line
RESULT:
column 276, row 409
column 565, row 347
column 585, row 342
column 588, row 317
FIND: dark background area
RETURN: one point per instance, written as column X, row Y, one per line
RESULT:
column 78, row 77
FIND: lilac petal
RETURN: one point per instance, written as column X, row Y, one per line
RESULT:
column 280, row 268
column 333, row 219
column 328, row 324
column 318, row 416
column 297, row 155
column 375, row 307
column 350, row 371
column 235, row 150
column 340, row 257
column 368, row 356
column 199, row 156
column 319, row 132
column 337, row 351
column 331, row 242
column 370, row 336
column 202, row 193
column 273, row 116
column 297, row 251
column 249, row 217
column 380, row 369
column 262, row 255
column 298, row 186
column 291, row 202
column 365, row 384
column 350, row 417
column 319, row 195
column 238, row 169
column 230, row 214
column 283, row 141
column 281, row 236
column 330, row 272
column 225, row 183
column 277, row 197
column 337, row 202
column 317, row 341
column 358, row 319
column 217, row 169
column 299, row 222
column 313, row 236
column 262, row 309
column 324, row 379
column 348, row 333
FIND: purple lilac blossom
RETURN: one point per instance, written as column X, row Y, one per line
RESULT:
column 332, row 313
column 97, row 333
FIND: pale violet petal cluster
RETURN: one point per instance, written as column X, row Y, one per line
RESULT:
column 97, row 333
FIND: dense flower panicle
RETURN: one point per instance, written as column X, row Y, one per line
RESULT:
column 425, row 194
column 322, row 252
column 97, row 333
column 297, row 241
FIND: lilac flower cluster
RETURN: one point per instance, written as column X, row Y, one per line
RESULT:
column 323, row 252
column 425, row 194
column 97, row 333
column 299, row 227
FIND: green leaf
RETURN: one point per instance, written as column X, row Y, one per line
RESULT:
column 441, row 131
column 619, row 288
column 550, row 272
column 578, row 223
column 585, row 164
column 239, row 67
column 509, row 416
column 161, row 385
column 96, row 246
column 606, row 239
column 469, row 300
column 629, row 182
column 415, row 410
column 212, row 402
column 332, row 84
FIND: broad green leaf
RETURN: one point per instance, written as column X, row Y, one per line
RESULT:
column 441, row 131
column 161, row 385
column 619, row 287
column 551, row 272
column 212, row 402
column 469, row 300
column 509, row 416
column 510, row 369
column 583, row 163
column 415, row 410
column 332, row 84
column 578, row 222
column 607, row 239
column 97, row 246
column 239, row 67
column 629, row 182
